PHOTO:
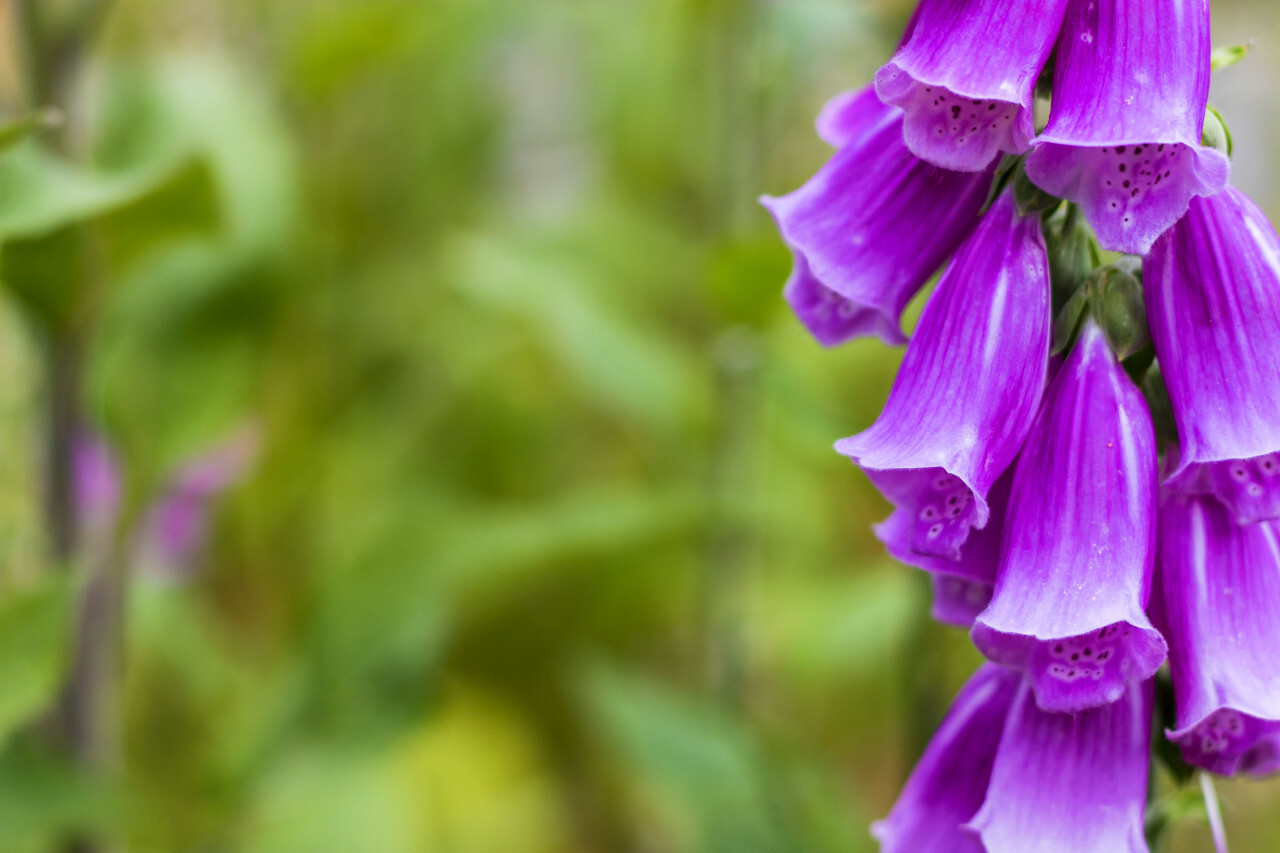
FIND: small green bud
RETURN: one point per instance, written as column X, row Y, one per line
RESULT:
column 1157, row 396
column 1116, row 300
column 1216, row 133
column 1073, row 254
column 1029, row 197
column 1066, row 324
column 1009, row 163
column 1225, row 57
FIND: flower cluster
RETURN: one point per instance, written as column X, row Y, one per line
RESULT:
column 1084, row 456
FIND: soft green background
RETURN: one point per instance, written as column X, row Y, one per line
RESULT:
column 546, row 548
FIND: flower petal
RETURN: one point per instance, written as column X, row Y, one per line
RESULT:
column 1069, row 783
column 1075, row 569
column 1218, row 587
column 961, row 588
column 873, row 224
column 982, row 347
column 948, row 784
column 1123, row 138
column 966, row 78
column 1212, row 287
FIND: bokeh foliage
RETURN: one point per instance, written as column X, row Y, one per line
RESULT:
column 546, row 548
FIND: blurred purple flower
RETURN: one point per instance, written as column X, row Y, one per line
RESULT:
column 174, row 531
column 982, row 346
column 1078, row 551
column 949, row 783
column 1069, row 783
column 1219, row 586
column 96, row 482
column 1123, row 139
column 1212, row 286
column 870, row 228
column 966, row 78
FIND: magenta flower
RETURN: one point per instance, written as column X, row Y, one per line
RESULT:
column 1219, row 587
column 96, row 483
column 1075, row 570
column 961, row 588
column 176, row 528
column 949, row 783
column 870, row 228
column 1069, row 783
column 982, row 347
column 1130, row 86
column 966, row 78
column 1212, row 286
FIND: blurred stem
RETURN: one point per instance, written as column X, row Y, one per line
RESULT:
column 54, row 38
column 1213, row 811
column 732, row 537
column 923, row 672
column 732, row 166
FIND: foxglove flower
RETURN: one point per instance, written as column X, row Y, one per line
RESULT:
column 1075, row 569
column 961, row 588
column 966, row 78
column 1069, row 783
column 96, row 483
column 1219, row 586
column 1212, row 287
column 870, row 228
column 981, row 349
column 176, row 528
column 949, row 783
column 1130, row 86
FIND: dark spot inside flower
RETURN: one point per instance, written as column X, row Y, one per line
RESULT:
column 1076, row 656
column 1126, row 185
column 1058, row 648
column 955, row 112
column 1137, row 149
column 1159, row 148
column 991, row 106
column 1087, row 651
column 977, row 103
column 1122, row 167
column 1119, row 149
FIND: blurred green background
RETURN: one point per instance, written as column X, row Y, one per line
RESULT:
column 544, row 547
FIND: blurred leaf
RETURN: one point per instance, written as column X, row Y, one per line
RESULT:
column 846, row 627
column 15, row 130
column 41, row 193
column 45, row 797
column 35, row 628
column 634, row 369
column 714, row 786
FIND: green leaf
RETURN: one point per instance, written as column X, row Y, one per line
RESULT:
column 16, row 130
column 41, row 193
column 34, row 643
column 715, row 787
